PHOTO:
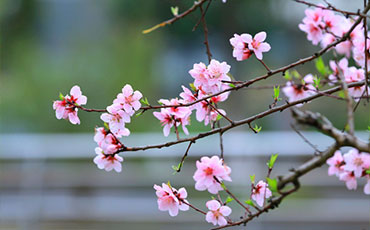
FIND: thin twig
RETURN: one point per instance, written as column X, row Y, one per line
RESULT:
column 223, row 115
column 263, row 63
column 205, row 30
column 232, row 195
column 366, row 54
column 177, row 17
column 203, row 15
column 317, row 151
column 184, row 156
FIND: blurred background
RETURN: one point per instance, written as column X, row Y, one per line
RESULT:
column 47, row 178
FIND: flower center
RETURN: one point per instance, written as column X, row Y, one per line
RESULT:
column 208, row 171
column 358, row 161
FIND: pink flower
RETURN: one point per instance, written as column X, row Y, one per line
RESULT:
column 359, row 51
column 367, row 186
column 100, row 134
column 177, row 112
column 240, row 47
column 296, row 92
column 66, row 108
column 187, row 95
column 200, row 74
column 350, row 179
column 77, row 97
column 335, row 164
column 209, row 79
column 313, row 25
column 341, row 68
column 168, row 119
column 256, row 44
column 171, row 200
column 356, row 162
column 116, row 118
column 207, row 169
column 332, row 22
column 129, row 100
column 110, row 144
column 261, row 192
column 107, row 162
column 352, row 74
column 217, row 213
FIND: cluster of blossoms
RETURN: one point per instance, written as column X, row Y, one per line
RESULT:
column 349, row 167
column 210, row 174
column 67, row 107
column 245, row 45
column 118, row 114
column 325, row 27
column 350, row 74
column 208, row 80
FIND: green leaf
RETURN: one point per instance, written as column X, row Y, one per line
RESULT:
column 272, row 160
column 296, row 74
column 341, row 94
column 368, row 171
column 145, row 101
column 276, row 93
column 272, row 184
column 316, row 81
column 218, row 117
column 249, row 202
column 106, row 125
column 159, row 102
column 257, row 128
column 61, row 96
column 169, row 185
column 176, row 168
column 228, row 199
column 368, row 128
column 175, row 10
column 193, row 87
column 287, row 76
column 232, row 85
column 223, row 185
column 321, row 68
column 253, row 178
column 139, row 113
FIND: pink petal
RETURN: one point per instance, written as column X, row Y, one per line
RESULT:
column 82, row 100
column 213, row 205
column 260, row 37
column 210, row 218
column 76, row 91
column 225, row 211
column 73, row 118
column 221, row 221
column 127, row 90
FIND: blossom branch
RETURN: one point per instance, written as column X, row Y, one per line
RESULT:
column 332, row 8
column 244, row 121
column 177, row 17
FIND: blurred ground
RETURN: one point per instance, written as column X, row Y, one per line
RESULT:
column 43, row 188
